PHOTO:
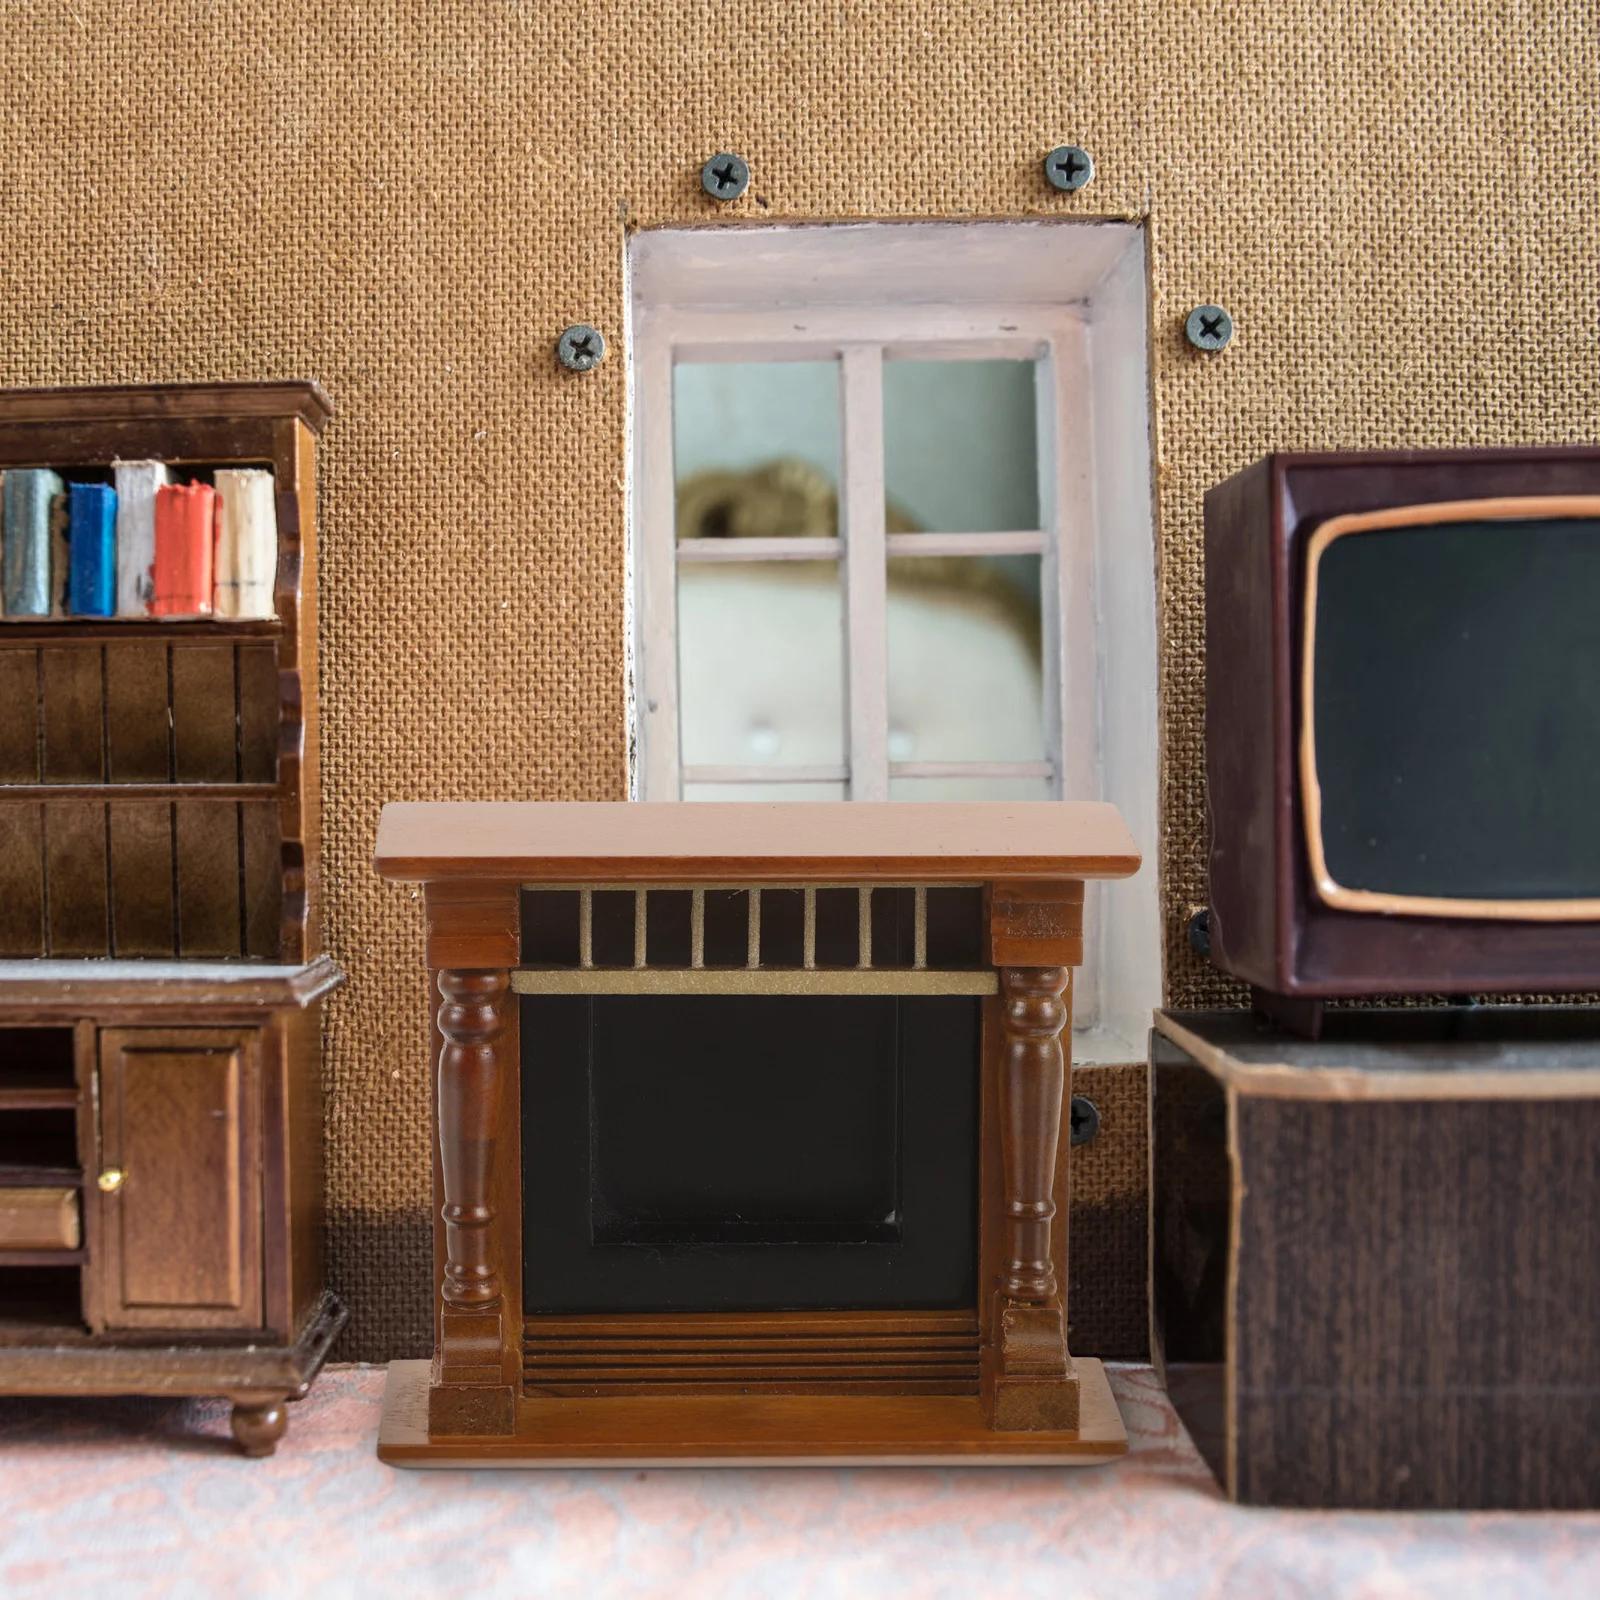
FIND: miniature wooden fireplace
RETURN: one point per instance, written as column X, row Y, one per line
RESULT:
column 749, row 1131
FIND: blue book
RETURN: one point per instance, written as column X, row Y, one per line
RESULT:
column 28, row 497
column 92, row 535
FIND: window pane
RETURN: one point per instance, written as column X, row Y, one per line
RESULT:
column 965, row 679
column 760, row 651
column 756, row 449
column 959, row 451
column 970, row 789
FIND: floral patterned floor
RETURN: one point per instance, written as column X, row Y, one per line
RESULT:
column 139, row 1498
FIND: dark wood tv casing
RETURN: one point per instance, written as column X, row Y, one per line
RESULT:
column 1267, row 924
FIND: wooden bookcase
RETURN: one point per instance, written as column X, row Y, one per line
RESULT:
column 160, row 963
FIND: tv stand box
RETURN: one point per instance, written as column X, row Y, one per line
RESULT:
column 1376, row 1257
column 748, row 1132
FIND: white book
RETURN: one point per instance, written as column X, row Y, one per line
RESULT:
column 247, row 543
column 136, row 482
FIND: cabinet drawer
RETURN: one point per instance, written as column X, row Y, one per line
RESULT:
column 179, row 1179
column 39, row 1219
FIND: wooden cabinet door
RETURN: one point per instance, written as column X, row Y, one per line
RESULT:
column 179, row 1184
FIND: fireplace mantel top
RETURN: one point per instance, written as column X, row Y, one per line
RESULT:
column 754, row 841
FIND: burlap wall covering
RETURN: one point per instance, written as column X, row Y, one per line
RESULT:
column 408, row 201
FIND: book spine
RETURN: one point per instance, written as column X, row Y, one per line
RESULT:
column 247, row 543
column 186, row 523
column 137, row 482
column 92, row 537
column 30, row 493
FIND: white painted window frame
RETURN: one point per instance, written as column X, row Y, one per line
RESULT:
column 1070, row 297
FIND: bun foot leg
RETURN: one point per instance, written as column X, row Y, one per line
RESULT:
column 258, row 1428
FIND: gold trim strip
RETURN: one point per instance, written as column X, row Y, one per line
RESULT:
column 1329, row 890
column 745, row 980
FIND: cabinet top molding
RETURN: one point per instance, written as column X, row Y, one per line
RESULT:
column 752, row 841
column 143, row 402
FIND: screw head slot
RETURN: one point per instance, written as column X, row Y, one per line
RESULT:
column 1068, row 167
column 111, row 1180
column 1084, row 1119
column 725, row 176
column 581, row 348
column 1209, row 328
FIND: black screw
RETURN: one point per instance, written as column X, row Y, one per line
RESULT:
column 1209, row 328
column 1085, row 1119
column 1200, row 933
column 1068, row 167
column 725, row 176
column 581, row 348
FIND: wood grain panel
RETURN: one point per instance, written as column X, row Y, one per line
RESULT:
column 204, row 723
column 263, row 879
column 74, row 730
column 75, row 878
column 138, row 727
column 208, row 878
column 141, row 879
column 182, row 1232
column 21, row 880
column 19, row 716
column 1415, row 1303
column 257, row 666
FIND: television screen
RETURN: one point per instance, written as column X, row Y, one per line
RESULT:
column 1450, row 700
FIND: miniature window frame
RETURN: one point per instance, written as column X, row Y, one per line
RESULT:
column 1072, row 297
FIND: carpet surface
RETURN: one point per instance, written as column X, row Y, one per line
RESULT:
column 143, row 1498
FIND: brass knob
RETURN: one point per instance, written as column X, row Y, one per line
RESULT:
column 111, row 1179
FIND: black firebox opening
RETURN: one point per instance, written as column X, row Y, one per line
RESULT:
column 696, row 1152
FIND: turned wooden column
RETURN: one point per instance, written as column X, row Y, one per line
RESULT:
column 1036, row 937
column 1032, row 1086
column 470, row 1023
column 472, row 943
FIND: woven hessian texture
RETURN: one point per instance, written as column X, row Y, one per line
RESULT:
column 408, row 202
column 1107, row 1249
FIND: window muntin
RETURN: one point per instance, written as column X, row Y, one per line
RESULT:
column 935, row 659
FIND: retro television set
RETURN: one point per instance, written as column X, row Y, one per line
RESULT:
column 1403, row 725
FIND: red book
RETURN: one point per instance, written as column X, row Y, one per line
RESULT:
column 186, row 541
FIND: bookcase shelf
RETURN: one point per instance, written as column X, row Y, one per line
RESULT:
column 38, row 1099
column 34, row 792
column 19, row 631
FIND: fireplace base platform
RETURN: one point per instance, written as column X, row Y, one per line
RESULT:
column 748, row 1430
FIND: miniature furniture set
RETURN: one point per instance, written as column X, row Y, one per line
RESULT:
column 748, row 1118
column 749, row 1132
column 160, row 964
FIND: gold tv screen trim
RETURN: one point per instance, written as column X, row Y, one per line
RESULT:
column 1329, row 890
